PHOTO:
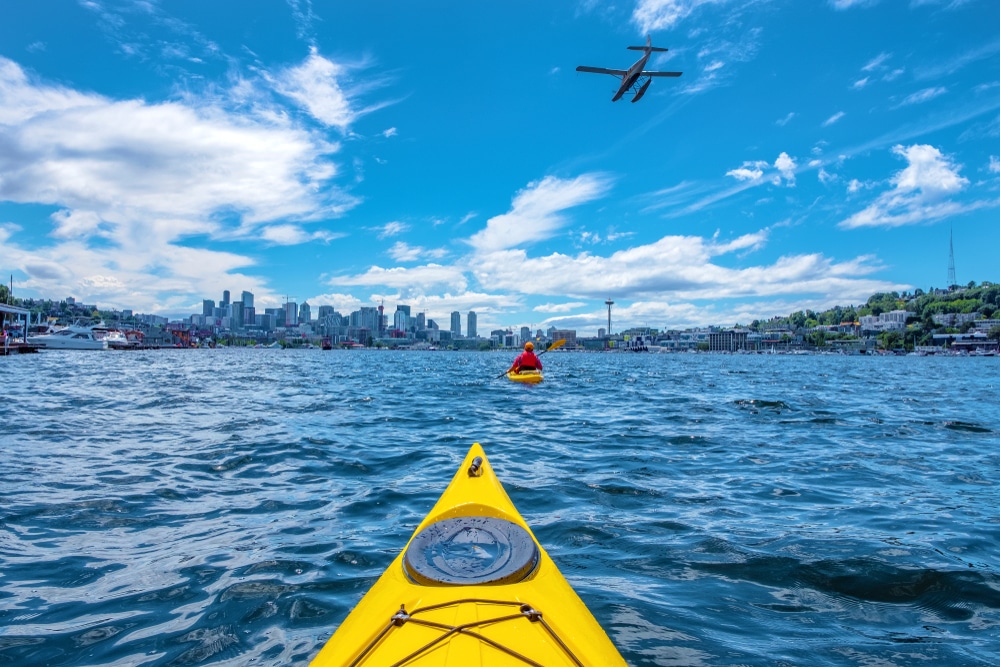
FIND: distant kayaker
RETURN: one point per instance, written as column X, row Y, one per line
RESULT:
column 527, row 360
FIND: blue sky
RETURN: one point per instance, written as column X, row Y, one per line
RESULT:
column 449, row 157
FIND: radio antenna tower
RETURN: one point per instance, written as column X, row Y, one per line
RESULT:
column 609, row 303
column 952, row 281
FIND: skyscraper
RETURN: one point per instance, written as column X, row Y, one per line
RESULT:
column 401, row 318
column 305, row 312
column 247, row 299
column 207, row 307
column 471, row 328
column 225, row 299
column 456, row 324
column 291, row 314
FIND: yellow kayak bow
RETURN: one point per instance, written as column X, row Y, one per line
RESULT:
column 472, row 587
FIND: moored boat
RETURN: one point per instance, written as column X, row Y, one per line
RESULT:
column 472, row 587
column 73, row 337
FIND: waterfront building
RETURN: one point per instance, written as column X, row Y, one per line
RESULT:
column 894, row 320
column 470, row 328
column 365, row 318
column 729, row 340
column 984, row 326
column 267, row 321
column 236, row 320
column 568, row 334
column 291, row 314
column 208, row 308
column 421, row 321
column 401, row 318
column 456, row 324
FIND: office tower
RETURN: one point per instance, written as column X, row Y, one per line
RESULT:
column 236, row 321
column 471, row 328
column 247, row 299
column 456, row 324
column 291, row 314
column 305, row 312
column 207, row 308
column 225, row 299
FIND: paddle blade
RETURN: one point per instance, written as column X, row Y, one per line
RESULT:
column 558, row 343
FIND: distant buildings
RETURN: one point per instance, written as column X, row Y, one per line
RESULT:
column 456, row 324
column 471, row 327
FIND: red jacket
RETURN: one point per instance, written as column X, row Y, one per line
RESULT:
column 527, row 360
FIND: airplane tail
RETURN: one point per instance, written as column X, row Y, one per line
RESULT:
column 649, row 46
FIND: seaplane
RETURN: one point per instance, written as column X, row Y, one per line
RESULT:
column 635, row 78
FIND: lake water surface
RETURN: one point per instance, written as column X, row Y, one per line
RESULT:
column 229, row 507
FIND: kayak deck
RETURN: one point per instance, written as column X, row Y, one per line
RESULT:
column 518, row 610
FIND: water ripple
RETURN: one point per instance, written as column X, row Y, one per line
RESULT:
column 229, row 507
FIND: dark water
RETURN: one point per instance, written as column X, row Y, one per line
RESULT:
column 228, row 507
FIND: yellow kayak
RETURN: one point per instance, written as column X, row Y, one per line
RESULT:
column 531, row 377
column 472, row 587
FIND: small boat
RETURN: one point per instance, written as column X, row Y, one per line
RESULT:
column 529, row 377
column 472, row 587
column 73, row 337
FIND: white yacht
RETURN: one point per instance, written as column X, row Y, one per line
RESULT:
column 73, row 337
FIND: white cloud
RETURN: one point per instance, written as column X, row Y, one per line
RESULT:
column 860, row 83
column 314, row 85
column 994, row 165
column 654, row 15
column 141, row 176
column 559, row 307
column 784, row 121
column 919, row 194
column 536, row 211
column 675, row 267
column 847, row 4
column 755, row 170
column 391, row 132
column 392, row 229
column 876, row 62
column 427, row 278
column 923, row 96
column 750, row 171
column 294, row 235
column 833, row 119
column 786, row 167
column 403, row 252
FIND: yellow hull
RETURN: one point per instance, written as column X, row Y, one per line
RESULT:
column 530, row 377
column 527, row 615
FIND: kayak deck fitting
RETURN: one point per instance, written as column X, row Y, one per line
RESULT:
column 472, row 587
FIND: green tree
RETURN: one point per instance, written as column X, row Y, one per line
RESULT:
column 994, row 333
column 889, row 340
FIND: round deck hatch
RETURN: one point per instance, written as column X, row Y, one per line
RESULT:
column 471, row 550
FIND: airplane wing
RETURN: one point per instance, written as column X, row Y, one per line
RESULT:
column 601, row 70
column 661, row 73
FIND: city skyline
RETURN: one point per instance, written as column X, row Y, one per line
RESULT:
column 808, row 156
